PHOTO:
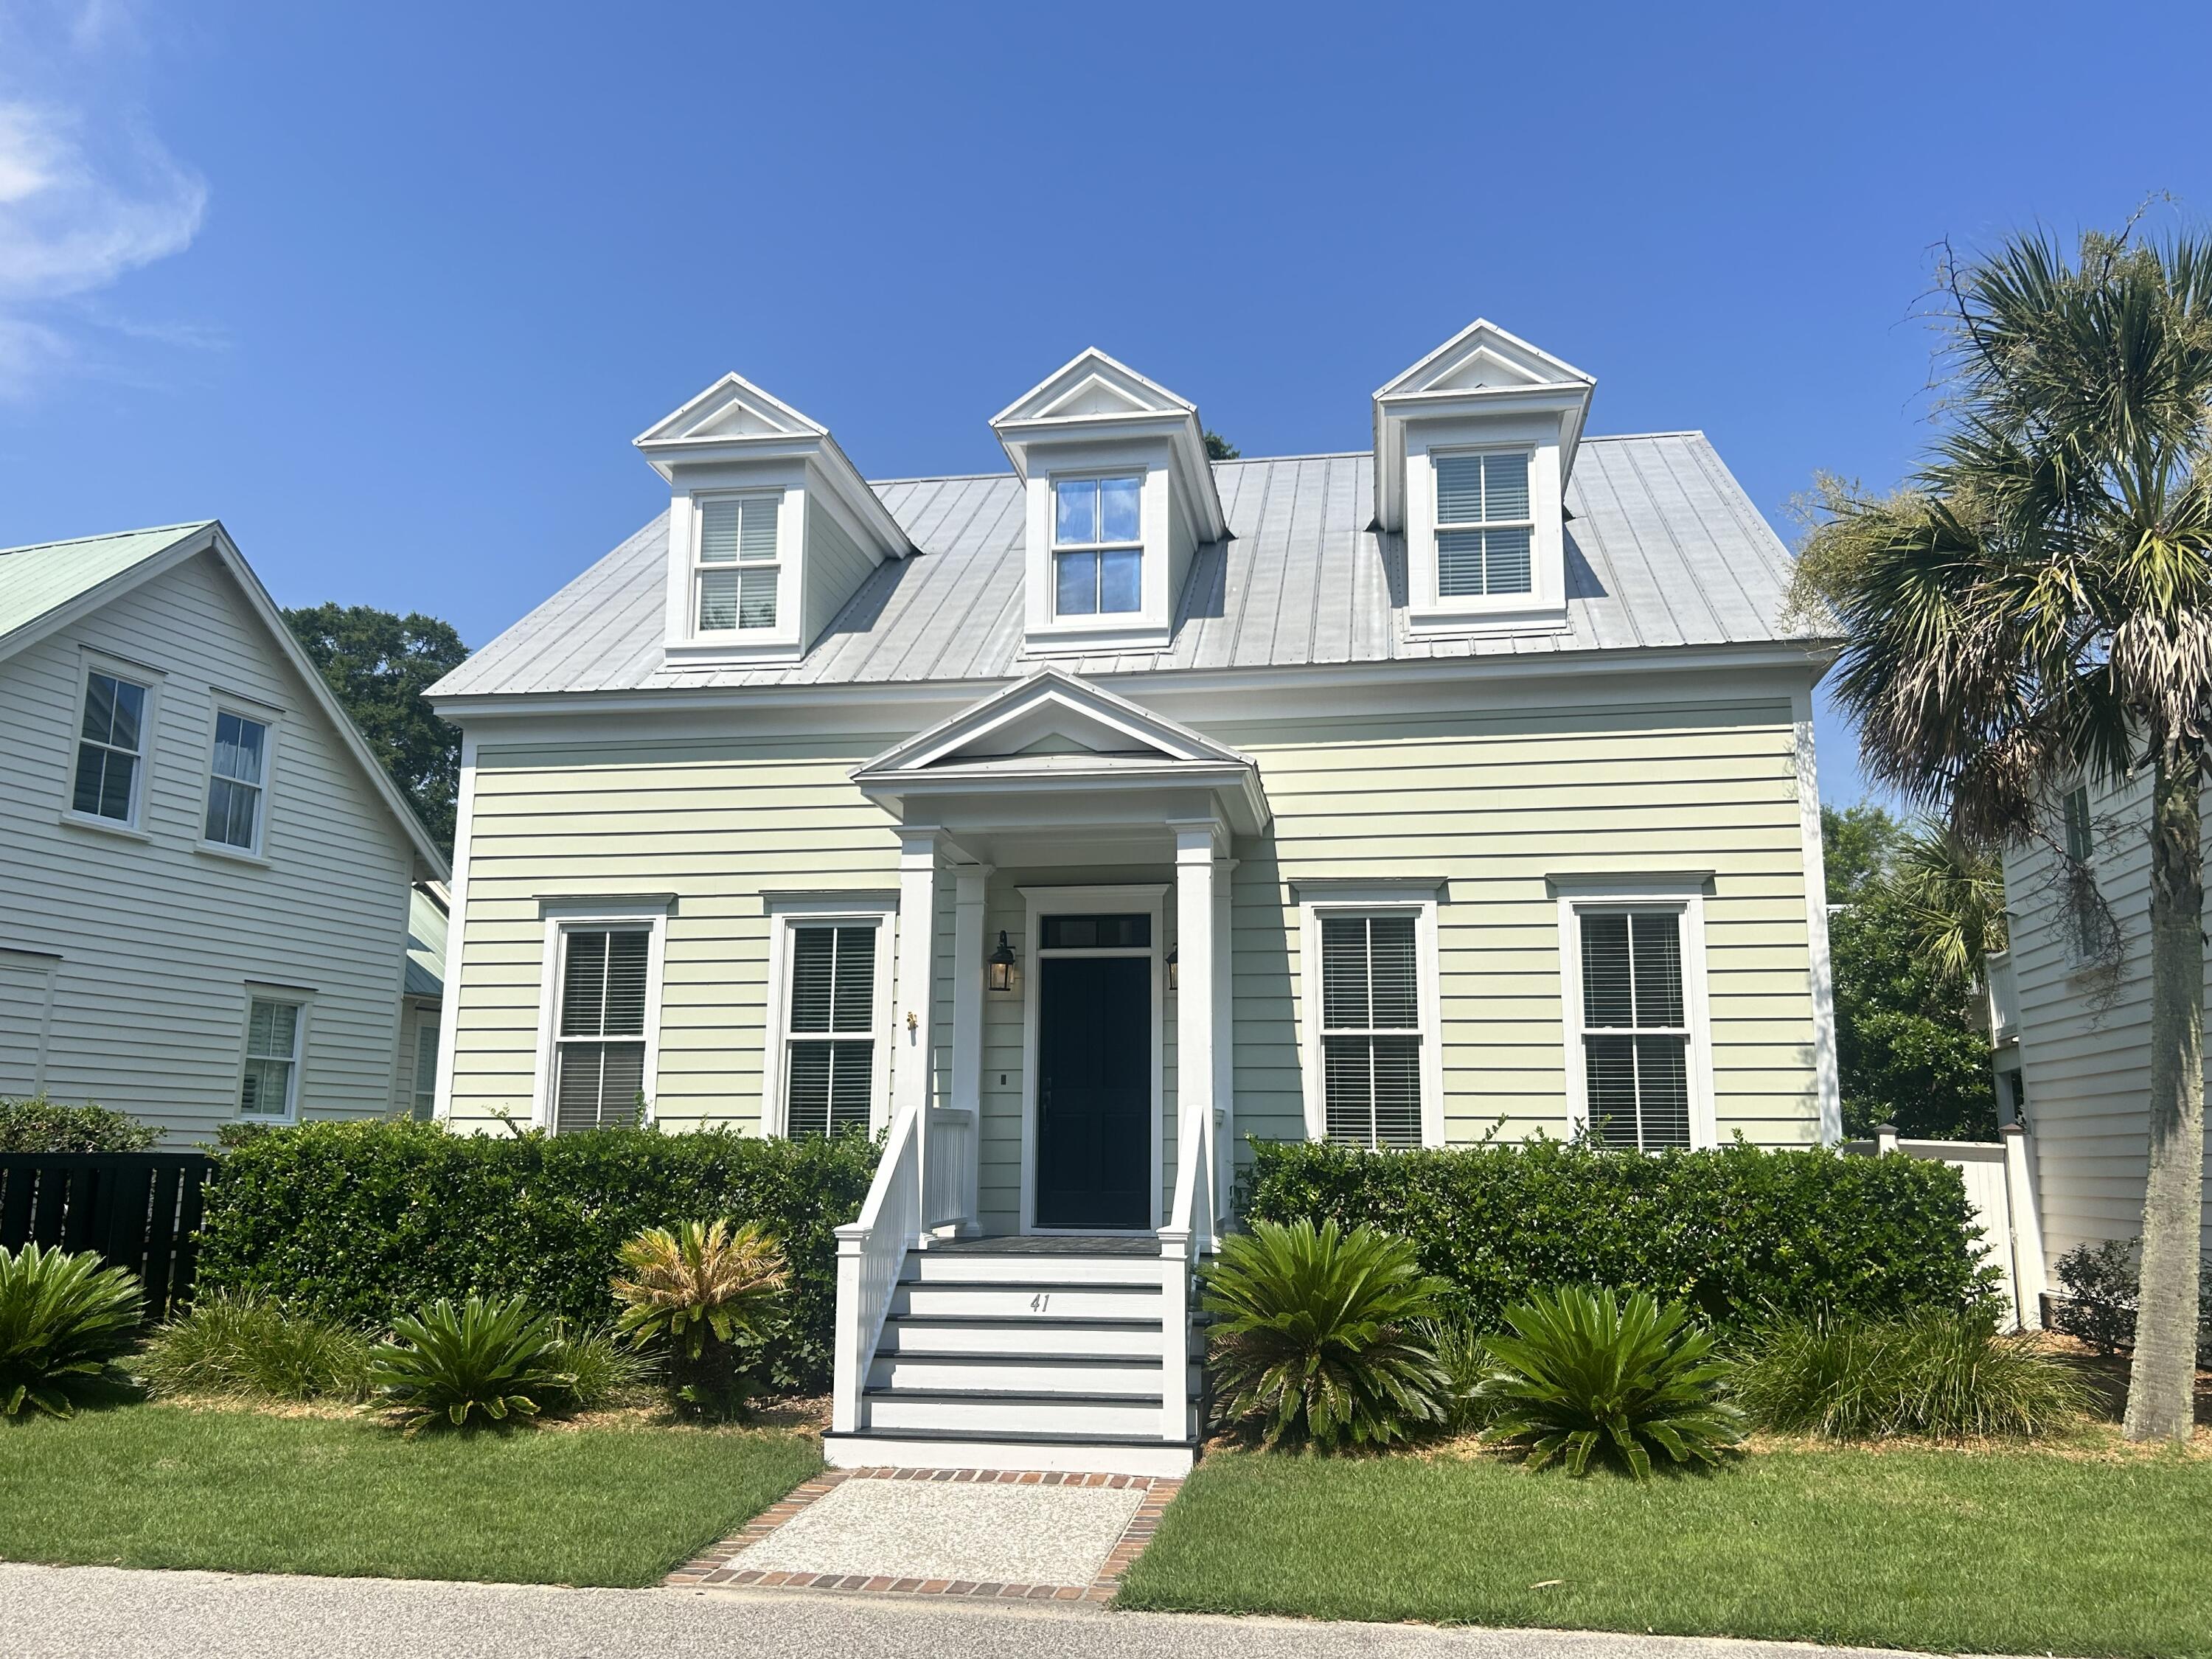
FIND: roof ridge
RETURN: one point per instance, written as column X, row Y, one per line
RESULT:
column 1621, row 437
column 107, row 536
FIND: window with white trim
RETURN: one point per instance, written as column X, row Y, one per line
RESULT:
column 237, row 772
column 425, row 1070
column 111, row 750
column 599, row 1038
column 270, row 1088
column 2081, row 835
column 830, row 1027
column 736, row 570
column 1484, row 526
column 1371, row 1028
column 1097, row 545
column 1635, row 1027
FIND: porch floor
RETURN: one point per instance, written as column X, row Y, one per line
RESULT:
column 1146, row 1244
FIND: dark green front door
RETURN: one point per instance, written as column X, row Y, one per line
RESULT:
column 1094, row 1142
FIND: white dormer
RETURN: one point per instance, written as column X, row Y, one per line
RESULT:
column 770, row 528
column 1473, row 447
column 1119, row 494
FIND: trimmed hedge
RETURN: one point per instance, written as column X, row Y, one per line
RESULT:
column 40, row 1125
column 1741, row 1233
column 361, row 1221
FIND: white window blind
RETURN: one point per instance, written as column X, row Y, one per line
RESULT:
column 110, row 748
column 1483, row 525
column 272, row 1058
column 1635, row 1033
column 1098, row 546
column 1371, row 1025
column 237, row 772
column 599, row 1045
column 830, row 1048
column 425, row 1070
column 737, row 572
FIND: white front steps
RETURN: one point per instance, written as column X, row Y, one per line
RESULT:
column 1022, row 1355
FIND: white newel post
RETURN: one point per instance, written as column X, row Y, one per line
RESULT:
column 845, row 1358
column 1195, row 849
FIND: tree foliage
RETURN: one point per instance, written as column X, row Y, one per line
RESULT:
column 1219, row 449
column 380, row 665
column 1906, row 948
column 2035, row 605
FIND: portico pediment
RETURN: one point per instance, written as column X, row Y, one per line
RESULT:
column 1056, row 747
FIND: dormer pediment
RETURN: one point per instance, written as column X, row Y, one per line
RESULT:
column 770, row 527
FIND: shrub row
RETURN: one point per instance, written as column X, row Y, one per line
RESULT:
column 361, row 1222
column 1742, row 1235
column 40, row 1125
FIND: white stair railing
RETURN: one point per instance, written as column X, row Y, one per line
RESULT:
column 948, row 1167
column 1189, row 1230
column 870, row 1254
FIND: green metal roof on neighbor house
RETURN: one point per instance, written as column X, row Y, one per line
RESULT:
column 38, row 579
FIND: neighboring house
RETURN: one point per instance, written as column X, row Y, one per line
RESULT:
column 204, row 875
column 1069, row 824
column 2069, row 1013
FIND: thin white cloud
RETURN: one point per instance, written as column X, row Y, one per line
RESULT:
column 82, row 202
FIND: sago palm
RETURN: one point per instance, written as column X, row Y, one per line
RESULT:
column 1585, row 1374
column 708, row 1289
column 1325, row 1336
column 2033, row 608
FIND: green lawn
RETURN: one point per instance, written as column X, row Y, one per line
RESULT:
column 159, row 1487
column 1953, row 1552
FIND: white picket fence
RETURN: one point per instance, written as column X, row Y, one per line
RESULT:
column 2001, row 1188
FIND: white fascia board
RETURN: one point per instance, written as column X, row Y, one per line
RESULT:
column 1421, row 372
column 670, row 426
column 1546, row 679
column 1082, row 362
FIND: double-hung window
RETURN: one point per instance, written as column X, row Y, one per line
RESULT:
column 111, row 750
column 736, row 572
column 238, row 774
column 830, row 1027
column 1371, row 1029
column 599, row 1039
column 1636, row 1032
column 270, row 1088
column 425, row 1092
column 2080, row 835
column 1484, row 528
column 1098, row 546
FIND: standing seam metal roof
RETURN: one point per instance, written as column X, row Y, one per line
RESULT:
column 1663, row 548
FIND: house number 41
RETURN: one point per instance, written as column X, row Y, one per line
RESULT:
column 1038, row 1301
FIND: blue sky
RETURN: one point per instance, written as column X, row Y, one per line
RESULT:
column 389, row 289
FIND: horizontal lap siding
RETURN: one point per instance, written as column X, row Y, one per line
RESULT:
column 157, row 939
column 2085, row 1048
column 1492, row 805
column 717, row 824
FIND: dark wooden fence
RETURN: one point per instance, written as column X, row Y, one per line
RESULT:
column 139, row 1210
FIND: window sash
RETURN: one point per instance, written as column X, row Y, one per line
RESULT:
column 1484, row 524
column 737, row 570
column 272, row 1058
column 1635, row 1026
column 1371, row 1028
column 1066, row 492
column 426, row 1069
column 237, row 770
column 110, row 748
column 830, row 1026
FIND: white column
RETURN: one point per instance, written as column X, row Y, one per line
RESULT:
column 971, row 882
column 1194, row 980
column 911, row 1064
column 2028, row 1274
column 1225, row 1048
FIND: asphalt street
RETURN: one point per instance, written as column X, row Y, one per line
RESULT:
column 68, row 1613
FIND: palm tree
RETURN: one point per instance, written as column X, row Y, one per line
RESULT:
column 2031, row 607
column 1953, row 890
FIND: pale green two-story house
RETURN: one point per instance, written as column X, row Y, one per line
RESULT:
column 1069, row 826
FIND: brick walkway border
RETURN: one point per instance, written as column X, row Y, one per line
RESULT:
column 722, row 1563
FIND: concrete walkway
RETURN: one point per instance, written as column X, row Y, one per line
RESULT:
column 64, row 1613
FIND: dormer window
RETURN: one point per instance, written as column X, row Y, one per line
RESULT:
column 1483, row 524
column 1117, row 498
column 1098, row 546
column 1474, row 445
column 737, row 570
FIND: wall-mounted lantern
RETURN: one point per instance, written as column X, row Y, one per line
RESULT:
column 1001, row 963
column 1174, row 973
